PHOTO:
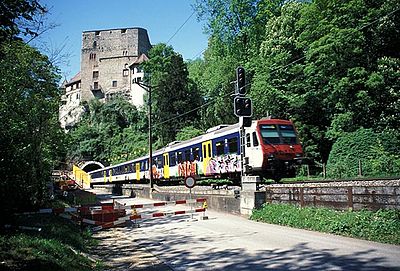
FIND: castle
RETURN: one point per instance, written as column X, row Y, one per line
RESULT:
column 110, row 66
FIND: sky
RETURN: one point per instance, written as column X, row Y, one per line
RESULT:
column 161, row 18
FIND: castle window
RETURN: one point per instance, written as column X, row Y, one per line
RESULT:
column 125, row 72
column 92, row 56
column 96, row 85
column 94, row 44
column 114, row 84
column 95, row 74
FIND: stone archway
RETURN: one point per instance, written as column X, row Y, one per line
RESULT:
column 89, row 166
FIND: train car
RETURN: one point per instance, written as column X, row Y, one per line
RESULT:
column 271, row 149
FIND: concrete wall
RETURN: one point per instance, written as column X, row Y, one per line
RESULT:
column 219, row 203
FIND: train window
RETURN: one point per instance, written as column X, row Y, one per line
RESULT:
column 187, row 155
column 288, row 134
column 133, row 168
column 172, row 159
column 248, row 140
column 196, row 154
column 233, row 145
column 209, row 150
column 269, row 134
column 154, row 163
column 179, row 157
column 220, row 147
column 255, row 140
column 159, row 163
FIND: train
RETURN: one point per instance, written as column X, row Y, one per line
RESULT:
column 271, row 149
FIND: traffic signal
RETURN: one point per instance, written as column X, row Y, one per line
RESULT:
column 240, row 81
column 242, row 107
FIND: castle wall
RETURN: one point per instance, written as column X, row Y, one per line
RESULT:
column 105, row 59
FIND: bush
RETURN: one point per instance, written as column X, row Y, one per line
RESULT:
column 382, row 226
column 377, row 153
column 57, row 246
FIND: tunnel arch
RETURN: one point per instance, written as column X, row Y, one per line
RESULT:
column 89, row 166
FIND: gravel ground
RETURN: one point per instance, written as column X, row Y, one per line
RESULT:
column 118, row 250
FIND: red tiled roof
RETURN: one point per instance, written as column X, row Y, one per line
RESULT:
column 142, row 58
column 74, row 79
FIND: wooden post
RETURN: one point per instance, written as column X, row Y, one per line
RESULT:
column 301, row 197
column 324, row 170
column 350, row 197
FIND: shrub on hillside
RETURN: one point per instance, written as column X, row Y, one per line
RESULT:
column 377, row 153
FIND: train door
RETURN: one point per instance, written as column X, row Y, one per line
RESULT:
column 137, row 165
column 166, row 165
column 206, row 151
column 253, row 149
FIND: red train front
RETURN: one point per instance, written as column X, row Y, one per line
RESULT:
column 273, row 148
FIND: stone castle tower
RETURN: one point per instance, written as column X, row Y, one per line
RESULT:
column 110, row 66
column 106, row 58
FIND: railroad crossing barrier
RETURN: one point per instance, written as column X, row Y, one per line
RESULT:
column 114, row 214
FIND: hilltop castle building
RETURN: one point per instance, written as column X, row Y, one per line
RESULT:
column 110, row 66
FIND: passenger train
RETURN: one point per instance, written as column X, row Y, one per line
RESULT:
column 271, row 149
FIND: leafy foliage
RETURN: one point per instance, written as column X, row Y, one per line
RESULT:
column 174, row 96
column 31, row 141
column 49, row 249
column 381, row 226
column 188, row 132
column 377, row 158
column 330, row 66
column 110, row 132
column 14, row 16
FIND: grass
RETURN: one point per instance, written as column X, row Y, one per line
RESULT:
column 60, row 245
column 381, row 226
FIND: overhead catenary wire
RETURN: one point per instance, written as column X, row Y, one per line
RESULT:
column 179, row 29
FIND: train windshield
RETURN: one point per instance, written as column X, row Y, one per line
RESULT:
column 278, row 134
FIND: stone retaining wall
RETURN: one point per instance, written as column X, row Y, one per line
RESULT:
column 355, row 195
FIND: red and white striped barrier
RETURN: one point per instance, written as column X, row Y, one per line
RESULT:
column 158, row 204
column 168, row 213
column 57, row 211
column 108, row 225
column 76, row 214
column 122, row 220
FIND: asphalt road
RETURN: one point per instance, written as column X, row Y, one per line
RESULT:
column 227, row 242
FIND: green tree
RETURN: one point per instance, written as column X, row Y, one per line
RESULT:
column 110, row 132
column 188, row 132
column 31, row 139
column 323, row 65
column 15, row 18
column 174, row 96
